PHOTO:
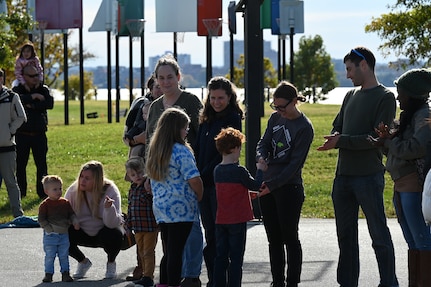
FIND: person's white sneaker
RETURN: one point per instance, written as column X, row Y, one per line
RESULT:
column 82, row 269
column 111, row 270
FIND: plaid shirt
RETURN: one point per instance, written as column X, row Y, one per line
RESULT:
column 140, row 217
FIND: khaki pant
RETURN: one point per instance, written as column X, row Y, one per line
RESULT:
column 146, row 243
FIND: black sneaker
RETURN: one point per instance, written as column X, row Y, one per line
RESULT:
column 65, row 277
column 145, row 281
column 47, row 278
column 191, row 282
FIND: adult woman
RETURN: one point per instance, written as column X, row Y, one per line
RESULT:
column 221, row 110
column 97, row 204
column 284, row 147
column 404, row 149
column 167, row 72
column 176, row 187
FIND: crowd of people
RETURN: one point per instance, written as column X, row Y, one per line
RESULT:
column 184, row 173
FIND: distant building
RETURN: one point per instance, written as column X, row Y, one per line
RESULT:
column 238, row 49
column 183, row 60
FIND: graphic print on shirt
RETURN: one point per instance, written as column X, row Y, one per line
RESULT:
column 280, row 141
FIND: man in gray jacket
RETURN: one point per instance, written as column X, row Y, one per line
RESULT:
column 12, row 116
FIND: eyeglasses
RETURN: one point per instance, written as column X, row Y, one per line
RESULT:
column 32, row 76
column 359, row 54
column 279, row 108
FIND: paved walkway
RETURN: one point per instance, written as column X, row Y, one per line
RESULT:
column 21, row 258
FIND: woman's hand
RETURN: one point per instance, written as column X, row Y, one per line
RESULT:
column 108, row 202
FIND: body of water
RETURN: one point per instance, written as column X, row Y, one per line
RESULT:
column 334, row 97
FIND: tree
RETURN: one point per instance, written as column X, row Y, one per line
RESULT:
column 20, row 23
column 314, row 72
column 74, row 81
column 269, row 73
column 406, row 31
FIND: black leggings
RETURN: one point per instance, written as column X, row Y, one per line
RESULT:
column 107, row 238
column 174, row 237
column 281, row 210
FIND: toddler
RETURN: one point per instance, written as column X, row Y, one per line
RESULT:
column 55, row 216
column 27, row 56
column 141, row 220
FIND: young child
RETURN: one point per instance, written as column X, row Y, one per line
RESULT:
column 234, row 209
column 138, row 148
column 55, row 216
column 177, row 187
column 27, row 56
column 141, row 220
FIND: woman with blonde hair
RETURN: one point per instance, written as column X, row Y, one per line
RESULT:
column 177, row 188
column 96, row 201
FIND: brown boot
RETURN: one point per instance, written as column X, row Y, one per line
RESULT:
column 136, row 274
column 65, row 277
column 413, row 266
column 423, row 273
column 47, row 278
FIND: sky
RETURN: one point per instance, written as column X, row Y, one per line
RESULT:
column 340, row 24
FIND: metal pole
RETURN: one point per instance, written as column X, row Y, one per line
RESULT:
column 130, row 70
column 66, row 80
column 291, row 54
column 175, row 46
column 209, row 59
column 108, row 40
column 142, row 64
column 279, row 59
column 81, row 75
column 117, row 78
column 284, row 56
column 232, row 74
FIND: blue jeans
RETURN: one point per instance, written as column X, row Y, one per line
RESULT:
column 348, row 193
column 192, row 254
column 408, row 206
column 281, row 210
column 56, row 244
column 230, row 246
column 208, row 208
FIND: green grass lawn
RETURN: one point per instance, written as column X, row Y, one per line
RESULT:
column 72, row 145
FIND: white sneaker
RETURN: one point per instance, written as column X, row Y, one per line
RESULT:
column 111, row 270
column 82, row 269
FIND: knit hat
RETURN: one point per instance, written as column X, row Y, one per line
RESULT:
column 417, row 82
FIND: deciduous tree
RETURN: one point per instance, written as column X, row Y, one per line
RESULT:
column 405, row 31
column 314, row 72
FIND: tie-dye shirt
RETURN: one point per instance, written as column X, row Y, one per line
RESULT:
column 173, row 199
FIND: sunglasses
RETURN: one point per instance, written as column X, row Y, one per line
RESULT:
column 279, row 108
column 359, row 54
column 32, row 76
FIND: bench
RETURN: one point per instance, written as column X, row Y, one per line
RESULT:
column 92, row 115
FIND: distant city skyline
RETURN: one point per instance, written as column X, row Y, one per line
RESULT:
column 339, row 23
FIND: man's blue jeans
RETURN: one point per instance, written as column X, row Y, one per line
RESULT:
column 348, row 193
column 408, row 206
column 192, row 254
column 230, row 243
column 56, row 244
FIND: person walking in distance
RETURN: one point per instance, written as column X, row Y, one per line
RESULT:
column 359, row 179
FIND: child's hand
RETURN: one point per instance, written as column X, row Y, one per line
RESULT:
column 76, row 226
column 147, row 185
column 108, row 202
column 263, row 190
column 261, row 165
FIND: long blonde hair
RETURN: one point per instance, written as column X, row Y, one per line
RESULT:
column 166, row 134
column 99, row 188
